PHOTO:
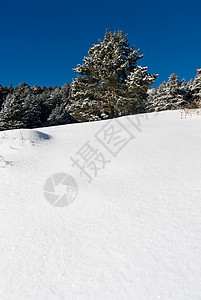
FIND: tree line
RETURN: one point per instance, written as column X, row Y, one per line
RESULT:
column 175, row 94
column 110, row 83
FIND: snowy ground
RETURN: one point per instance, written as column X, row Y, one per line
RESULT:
column 133, row 232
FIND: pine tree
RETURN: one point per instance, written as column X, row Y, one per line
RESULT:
column 173, row 83
column 110, row 82
column 190, row 84
column 20, row 110
column 168, row 96
column 4, row 91
column 183, row 83
column 60, row 116
column 194, row 103
column 196, row 86
column 31, row 107
column 174, row 96
column 157, row 98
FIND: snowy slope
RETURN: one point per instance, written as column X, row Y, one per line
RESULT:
column 133, row 232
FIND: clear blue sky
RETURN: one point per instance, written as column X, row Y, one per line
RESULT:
column 41, row 41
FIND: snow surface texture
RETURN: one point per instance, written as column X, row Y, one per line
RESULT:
column 133, row 232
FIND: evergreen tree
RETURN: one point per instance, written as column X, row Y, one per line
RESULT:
column 20, row 111
column 174, row 96
column 183, row 83
column 157, row 98
column 196, row 86
column 31, row 107
column 168, row 96
column 60, row 116
column 190, row 84
column 110, row 82
column 4, row 91
column 173, row 83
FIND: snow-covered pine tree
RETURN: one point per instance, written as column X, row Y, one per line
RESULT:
column 4, row 91
column 110, row 82
column 157, row 98
column 60, row 116
column 168, row 96
column 30, row 107
column 20, row 109
column 175, row 97
column 173, row 82
column 194, row 102
column 151, row 100
column 196, row 86
column 190, row 84
column 183, row 83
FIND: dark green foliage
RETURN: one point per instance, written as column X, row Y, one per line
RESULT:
column 169, row 96
column 111, row 83
column 196, row 86
column 31, row 107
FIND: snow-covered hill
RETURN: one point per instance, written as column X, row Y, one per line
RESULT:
column 133, row 231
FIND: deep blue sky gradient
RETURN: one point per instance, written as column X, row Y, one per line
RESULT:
column 41, row 41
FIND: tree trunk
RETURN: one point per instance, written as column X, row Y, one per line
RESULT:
column 110, row 107
column 110, row 111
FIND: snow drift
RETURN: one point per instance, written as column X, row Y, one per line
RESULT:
column 133, row 230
